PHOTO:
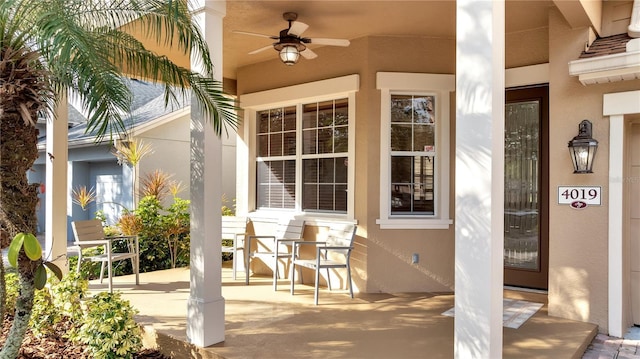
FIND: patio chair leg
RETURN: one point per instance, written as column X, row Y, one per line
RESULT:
column 293, row 276
column 315, row 296
column 275, row 275
column 102, row 272
column 328, row 279
column 247, row 264
column 235, row 259
column 349, row 280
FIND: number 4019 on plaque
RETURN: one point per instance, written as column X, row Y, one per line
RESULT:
column 585, row 194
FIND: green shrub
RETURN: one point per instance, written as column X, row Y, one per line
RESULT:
column 44, row 315
column 108, row 328
column 13, row 288
column 58, row 301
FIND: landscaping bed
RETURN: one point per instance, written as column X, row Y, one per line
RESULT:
column 55, row 346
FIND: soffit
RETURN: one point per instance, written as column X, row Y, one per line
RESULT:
column 354, row 19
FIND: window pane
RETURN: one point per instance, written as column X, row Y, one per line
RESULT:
column 290, row 171
column 310, row 116
column 290, row 118
column 417, row 195
column 310, row 197
column 310, row 171
column 263, row 121
column 325, row 114
column 401, row 137
column 341, row 139
column 423, row 138
column 341, row 170
column 326, row 170
column 275, row 120
column 276, row 184
column 423, row 109
column 263, row 145
column 309, row 142
column 401, row 108
column 275, row 145
column 325, row 140
column 401, row 169
column 289, row 200
column 263, row 195
column 341, row 112
column 325, row 197
column 400, row 198
column 289, row 145
column 422, row 202
column 341, row 198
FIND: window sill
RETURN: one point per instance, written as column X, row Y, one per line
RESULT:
column 414, row 223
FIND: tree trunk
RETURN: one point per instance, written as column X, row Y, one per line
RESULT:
column 18, row 200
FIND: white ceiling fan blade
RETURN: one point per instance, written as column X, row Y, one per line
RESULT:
column 308, row 54
column 297, row 28
column 331, row 42
column 254, row 34
column 261, row 49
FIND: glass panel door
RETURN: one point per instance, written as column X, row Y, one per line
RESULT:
column 522, row 185
column 526, row 192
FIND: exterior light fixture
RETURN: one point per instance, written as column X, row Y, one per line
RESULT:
column 582, row 149
column 289, row 55
column 289, row 48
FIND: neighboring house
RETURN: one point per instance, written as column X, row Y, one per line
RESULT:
column 383, row 133
column 94, row 165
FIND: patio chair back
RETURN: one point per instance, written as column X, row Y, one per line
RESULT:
column 234, row 229
column 332, row 253
column 271, row 248
column 89, row 234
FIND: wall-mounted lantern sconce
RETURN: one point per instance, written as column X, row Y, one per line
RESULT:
column 583, row 149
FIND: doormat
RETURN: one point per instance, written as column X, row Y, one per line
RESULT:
column 514, row 312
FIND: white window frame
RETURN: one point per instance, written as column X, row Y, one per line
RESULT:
column 318, row 91
column 441, row 86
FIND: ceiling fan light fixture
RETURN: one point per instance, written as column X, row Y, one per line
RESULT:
column 289, row 54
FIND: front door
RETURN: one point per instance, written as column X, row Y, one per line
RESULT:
column 526, row 234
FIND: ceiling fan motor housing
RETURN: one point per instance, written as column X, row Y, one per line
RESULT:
column 288, row 40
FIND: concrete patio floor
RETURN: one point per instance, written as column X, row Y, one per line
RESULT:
column 261, row 323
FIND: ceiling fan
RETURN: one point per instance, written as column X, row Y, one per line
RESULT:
column 290, row 44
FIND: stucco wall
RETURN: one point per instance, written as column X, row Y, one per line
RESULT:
column 382, row 260
column 578, row 239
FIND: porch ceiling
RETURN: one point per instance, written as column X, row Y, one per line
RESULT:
column 352, row 20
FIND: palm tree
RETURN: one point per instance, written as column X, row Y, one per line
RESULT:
column 78, row 47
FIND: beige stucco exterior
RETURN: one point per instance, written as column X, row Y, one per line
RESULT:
column 578, row 276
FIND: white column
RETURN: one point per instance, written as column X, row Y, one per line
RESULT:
column 616, row 226
column 616, row 106
column 205, row 311
column 56, row 190
column 479, row 178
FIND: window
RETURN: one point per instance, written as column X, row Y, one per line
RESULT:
column 325, row 142
column 299, row 145
column 414, row 150
column 276, row 167
column 412, row 154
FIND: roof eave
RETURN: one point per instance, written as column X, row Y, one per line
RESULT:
column 605, row 69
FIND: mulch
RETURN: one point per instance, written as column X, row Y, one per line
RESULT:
column 55, row 346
